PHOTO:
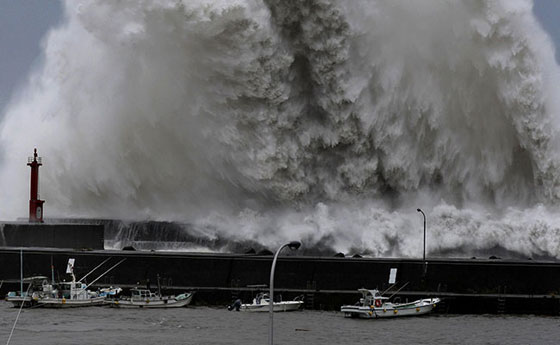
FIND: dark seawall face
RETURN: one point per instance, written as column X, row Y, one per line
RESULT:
column 334, row 281
column 74, row 236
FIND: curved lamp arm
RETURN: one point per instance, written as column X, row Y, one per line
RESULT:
column 293, row 246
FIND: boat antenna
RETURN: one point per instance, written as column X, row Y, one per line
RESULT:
column 90, row 272
column 396, row 292
column 104, row 273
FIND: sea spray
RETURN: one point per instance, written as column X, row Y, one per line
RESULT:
column 326, row 121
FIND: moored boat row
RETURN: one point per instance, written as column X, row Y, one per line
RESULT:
column 42, row 293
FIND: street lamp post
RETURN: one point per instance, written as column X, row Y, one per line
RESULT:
column 419, row 210
column 293, row 246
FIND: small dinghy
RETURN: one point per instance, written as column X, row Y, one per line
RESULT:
column 373, row 305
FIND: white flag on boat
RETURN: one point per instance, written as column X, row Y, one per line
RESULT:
column 70, row 267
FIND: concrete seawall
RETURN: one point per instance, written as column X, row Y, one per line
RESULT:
column 75, row 236
column 326, row 282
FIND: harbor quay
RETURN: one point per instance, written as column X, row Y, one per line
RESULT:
column 464, row 285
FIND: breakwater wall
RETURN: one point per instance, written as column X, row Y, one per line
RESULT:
column 326, row 282
column 59, row 235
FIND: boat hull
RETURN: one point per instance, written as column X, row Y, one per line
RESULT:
column 277, row 306
column 69, row 303
column 18, row 300
column 177, row 302
column 390, row 310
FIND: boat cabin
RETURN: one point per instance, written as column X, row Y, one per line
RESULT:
column 74, row 290
column 261, row 298
column 372, row 298
column 141, row 294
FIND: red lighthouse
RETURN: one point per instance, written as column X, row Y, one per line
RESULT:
column 35, row 205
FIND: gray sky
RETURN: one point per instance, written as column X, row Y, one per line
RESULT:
column 23, row 23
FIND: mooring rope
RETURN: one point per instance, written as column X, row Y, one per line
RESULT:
column 17, row 317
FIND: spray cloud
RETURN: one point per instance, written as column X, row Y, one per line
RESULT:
column 330, row 121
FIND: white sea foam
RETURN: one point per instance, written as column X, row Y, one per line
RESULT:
column 329, row 121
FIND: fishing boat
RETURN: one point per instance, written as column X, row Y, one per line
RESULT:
column 262, row 303
column 75, row 293
column 72, row 294
column 144, row 298
column 38, row 287
column 374, row 305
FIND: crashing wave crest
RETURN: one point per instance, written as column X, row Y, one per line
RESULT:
column 324, row 120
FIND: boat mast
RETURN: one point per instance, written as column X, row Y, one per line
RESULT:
column 52, row 271
column 158, row 286
column 21, row 272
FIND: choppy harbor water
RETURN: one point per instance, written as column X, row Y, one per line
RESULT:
column 202, row 325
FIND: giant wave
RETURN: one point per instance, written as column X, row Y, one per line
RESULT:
column 327, row 121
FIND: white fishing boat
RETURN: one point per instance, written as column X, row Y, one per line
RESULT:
column 75, row 293
column 262, row 303
column 72, row 294
column 374, row 305
column 144, row 298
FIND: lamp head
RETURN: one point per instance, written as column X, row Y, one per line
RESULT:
column 419, row 210
column 294, row 245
